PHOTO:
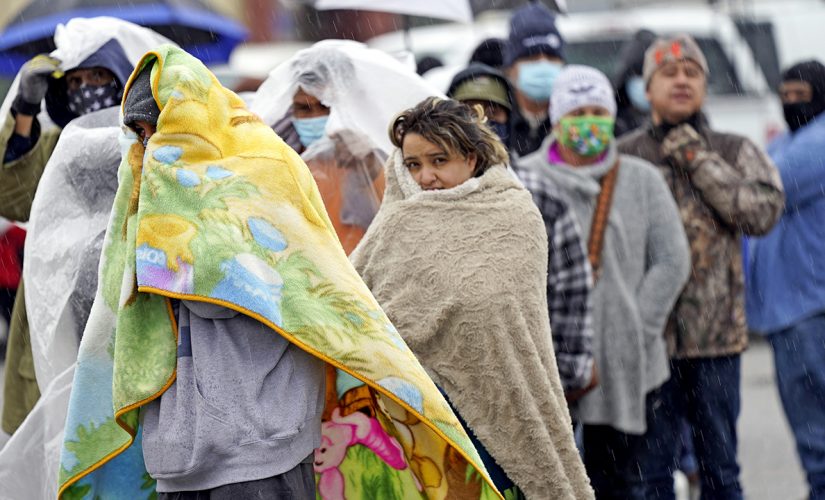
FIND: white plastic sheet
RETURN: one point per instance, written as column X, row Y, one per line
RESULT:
column 364, row 89
column 68, row 220
column 30, row 460
column 81, row 37
column 72, row 204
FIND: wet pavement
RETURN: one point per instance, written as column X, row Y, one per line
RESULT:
column 767, row 453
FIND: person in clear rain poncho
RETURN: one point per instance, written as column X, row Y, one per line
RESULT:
column 72, row 165
column 84, row 74
column 331, row 103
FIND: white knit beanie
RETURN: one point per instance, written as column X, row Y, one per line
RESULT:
column 579, row 86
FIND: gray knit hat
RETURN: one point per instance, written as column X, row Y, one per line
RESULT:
column 677, row 48
column 578, row 86
column 140, row 104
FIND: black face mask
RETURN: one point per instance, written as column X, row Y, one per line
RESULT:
column 502, row 130
column 799, row 114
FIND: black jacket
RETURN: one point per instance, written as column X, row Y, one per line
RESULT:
column 523, row 139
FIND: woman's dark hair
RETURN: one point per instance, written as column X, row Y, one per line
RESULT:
column 454, row 127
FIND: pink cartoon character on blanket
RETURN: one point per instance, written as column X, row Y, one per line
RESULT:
column 339, row 433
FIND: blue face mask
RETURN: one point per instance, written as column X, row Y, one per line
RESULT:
column 310, row 129
column 536, row 79
column 502, row 130
column 637, row 93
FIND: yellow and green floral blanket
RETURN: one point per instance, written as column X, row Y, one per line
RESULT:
column 218, row 209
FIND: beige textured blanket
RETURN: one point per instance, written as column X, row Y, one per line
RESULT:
column 462, row 275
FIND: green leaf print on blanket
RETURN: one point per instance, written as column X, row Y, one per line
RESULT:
column 367, row 477
column 77, row 492
column 149, row 485
column 88, row 443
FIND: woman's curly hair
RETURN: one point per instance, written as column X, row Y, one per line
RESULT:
column 454, row 127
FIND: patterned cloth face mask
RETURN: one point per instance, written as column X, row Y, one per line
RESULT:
column 587, row 135
column 90, row 98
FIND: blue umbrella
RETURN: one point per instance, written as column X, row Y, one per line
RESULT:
column 207, row 35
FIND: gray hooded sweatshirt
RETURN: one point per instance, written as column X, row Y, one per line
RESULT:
column 645, row 263
column 246, row 404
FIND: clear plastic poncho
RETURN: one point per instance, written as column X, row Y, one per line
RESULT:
column 364, row 89
column 81, row 37
column 72, row 204
column 67, row 224
column 68, row 220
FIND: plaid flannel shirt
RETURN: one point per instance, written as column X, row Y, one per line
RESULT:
column 569, row 283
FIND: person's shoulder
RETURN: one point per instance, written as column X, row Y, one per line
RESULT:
column 534, row 177
column 546, row 195
column 638, row 165
column 530, row 161
column 642, row 172
column 725, row 141
column 531, row 168
column 811, row 135
column 633, row 137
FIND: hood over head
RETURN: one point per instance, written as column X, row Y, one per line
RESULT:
column 110, row 56
column 140, row 103
column 797, row 115
column 103, row 41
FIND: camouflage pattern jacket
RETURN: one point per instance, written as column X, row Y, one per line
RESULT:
column 725, row 186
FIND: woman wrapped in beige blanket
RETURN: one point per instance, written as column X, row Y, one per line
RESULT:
column 457, row 257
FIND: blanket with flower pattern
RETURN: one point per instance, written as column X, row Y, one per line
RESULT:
column 218, row 209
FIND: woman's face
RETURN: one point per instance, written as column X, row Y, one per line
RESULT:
column 434, row 168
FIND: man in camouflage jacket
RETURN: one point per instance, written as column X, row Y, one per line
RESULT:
column 725, row 186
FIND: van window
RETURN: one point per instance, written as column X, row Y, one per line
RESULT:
column 602, row 54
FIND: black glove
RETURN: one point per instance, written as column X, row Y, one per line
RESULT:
column 34, row 83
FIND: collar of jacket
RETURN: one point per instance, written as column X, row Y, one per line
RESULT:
column 698, row 121
column 522, row 125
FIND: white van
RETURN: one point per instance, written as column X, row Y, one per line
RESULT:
column 739, row 98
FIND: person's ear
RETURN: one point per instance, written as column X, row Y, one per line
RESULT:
column 472, row 161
